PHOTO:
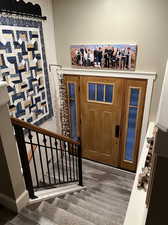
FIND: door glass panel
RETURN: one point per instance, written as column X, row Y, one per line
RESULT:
column 92, row 91
column 109, row 93
column 71, row 87
column 73, row 119
column 134, row 96
column 100, row 92
column 131, row 133
column 72, row 110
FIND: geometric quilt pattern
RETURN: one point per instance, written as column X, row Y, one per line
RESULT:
column 22, row 67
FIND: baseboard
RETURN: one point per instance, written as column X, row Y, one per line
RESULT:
column 22, row 201
column 15, row 205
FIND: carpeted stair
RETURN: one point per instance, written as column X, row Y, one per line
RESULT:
column 104, row 202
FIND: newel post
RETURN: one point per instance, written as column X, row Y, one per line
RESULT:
column 13, row 193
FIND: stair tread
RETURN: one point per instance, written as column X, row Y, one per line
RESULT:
column 60, row 216
column 104, row 196
column 109, row 190
column 98, row 202
column 108, row 197
column 22, row 220
column 84, row 213
column 101, row 201
column 92, row 207
column 36, row 217
column 108, row 184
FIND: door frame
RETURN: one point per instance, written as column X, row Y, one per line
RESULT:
column 149, row 76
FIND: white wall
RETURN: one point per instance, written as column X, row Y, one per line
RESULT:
column 49, row 38
column 109, row 21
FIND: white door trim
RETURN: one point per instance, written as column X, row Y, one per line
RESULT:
column 149, row 76
column 110, row 73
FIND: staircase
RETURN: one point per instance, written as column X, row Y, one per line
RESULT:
column 57, row 164
column 104, row 202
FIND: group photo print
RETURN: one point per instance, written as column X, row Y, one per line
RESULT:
column 110, row 56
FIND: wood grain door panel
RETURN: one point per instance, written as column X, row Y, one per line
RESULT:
column 98, row 122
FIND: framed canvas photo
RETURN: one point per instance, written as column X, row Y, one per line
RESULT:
column 105, row 56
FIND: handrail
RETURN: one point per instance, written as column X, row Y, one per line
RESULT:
column 56, row 159
column 26, row 125
column 30, row 153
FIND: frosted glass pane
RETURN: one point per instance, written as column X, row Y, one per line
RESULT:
column 134, row 96
column 92, row 91
column 131, row 134
column 73, row 119
column 71, row 88
column 109, row 93
column 100, row 92
column 73, row 113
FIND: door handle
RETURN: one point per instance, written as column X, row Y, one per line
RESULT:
column 117, row 131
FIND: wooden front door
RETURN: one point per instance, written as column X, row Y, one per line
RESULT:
column 106, row 113
column 101, row 103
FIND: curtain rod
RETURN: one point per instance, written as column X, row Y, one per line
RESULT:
column 23, row 14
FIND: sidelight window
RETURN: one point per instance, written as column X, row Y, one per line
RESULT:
column 72, row 107
column 132, row 123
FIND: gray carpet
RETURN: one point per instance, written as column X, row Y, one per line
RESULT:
column 103, row 203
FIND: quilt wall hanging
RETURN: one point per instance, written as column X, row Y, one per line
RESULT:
column 23, row 66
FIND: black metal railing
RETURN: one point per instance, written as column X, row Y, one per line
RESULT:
column 56, row 160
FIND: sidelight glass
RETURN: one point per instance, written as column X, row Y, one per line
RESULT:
column 73, row 119
column 132, row 123
column 71, row 87
column 72, row 108
column 131, row 133
column 134, row 96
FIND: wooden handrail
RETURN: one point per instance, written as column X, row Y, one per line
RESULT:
column 23, row 124
column 30, row 153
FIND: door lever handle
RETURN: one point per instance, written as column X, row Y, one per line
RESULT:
column 117, row 131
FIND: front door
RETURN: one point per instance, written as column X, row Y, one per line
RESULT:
column 106, row 113
column 101, row 102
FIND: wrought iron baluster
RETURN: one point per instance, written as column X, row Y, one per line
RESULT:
column 52, row 156
column 69, row 154
column 76, row 156
column 24, row 160
column 57, row 157
column 62, row 161
column 47, row 161
column 66, row 164
column 73, row 162
column 80, row 165
column 30, row 136
column 40, row 156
